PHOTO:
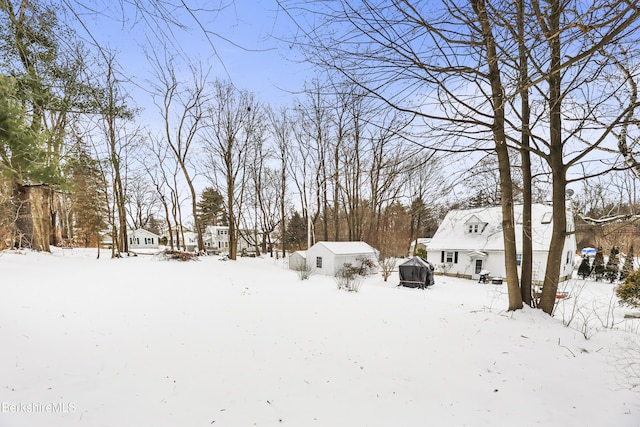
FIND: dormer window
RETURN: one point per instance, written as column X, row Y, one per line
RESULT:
column 475, row 225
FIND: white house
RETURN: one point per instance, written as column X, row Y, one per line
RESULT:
column 216, row 238
column 469, row 241
column 143, row 239
column 328, row 257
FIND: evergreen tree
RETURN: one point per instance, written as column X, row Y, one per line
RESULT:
column 296, row 237
column 613, row 265
column 598, row 265
column 154, row 225
column 210, row 208
column 584, row 270
column 627, row 268
column 87, row 197
column 45, row 60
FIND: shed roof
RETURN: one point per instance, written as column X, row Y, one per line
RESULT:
column 348, row 248
column 303, row 254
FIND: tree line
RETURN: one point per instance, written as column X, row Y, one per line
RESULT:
column 77, row 161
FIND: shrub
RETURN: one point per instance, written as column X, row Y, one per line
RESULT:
column 421, row 252
column 598, row 264
column 349, row 278
column 627, row 268
column 367, row 266
column 611, row 270
column 629, row 292
column 304, row 271
column 387, row 265
column 584, row 270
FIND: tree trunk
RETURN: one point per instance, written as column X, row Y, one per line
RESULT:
column 32, row 216
column 525, row 155
column 504, row 165
column 555, row 159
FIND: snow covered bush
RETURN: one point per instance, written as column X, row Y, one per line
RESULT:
column 629, row 292
column 349, row 278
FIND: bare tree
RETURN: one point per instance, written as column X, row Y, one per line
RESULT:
column 281, row 130
column 156, row 168
column 230, row 129
column 120, row 140
column 142, row 201
column 182, row 110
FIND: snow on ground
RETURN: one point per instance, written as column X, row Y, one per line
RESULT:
column 144, row 342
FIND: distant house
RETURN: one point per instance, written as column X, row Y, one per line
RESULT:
column 216, row 239
column 419, row 243
column 328, row 257
column 106, row 240
column 143, row 239
column 470, row 241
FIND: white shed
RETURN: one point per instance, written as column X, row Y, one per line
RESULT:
column 298, row 260
column 328, row 257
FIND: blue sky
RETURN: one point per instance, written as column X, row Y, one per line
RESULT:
column 245, row 44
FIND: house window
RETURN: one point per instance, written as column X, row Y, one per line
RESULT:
column 449, row 257
column 319, row 262
column 568, row 257
column 519, row 259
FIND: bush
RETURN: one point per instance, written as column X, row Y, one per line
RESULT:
column 629, row 292
column 421, row 252
column 304, row 271
column 627, row 268
column 367, row 266
column 584, row 270
column 598, row 265
column 349, row 278
column 387, row 265
column 611, row 269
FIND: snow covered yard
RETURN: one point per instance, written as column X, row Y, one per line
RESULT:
column 144, row 342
